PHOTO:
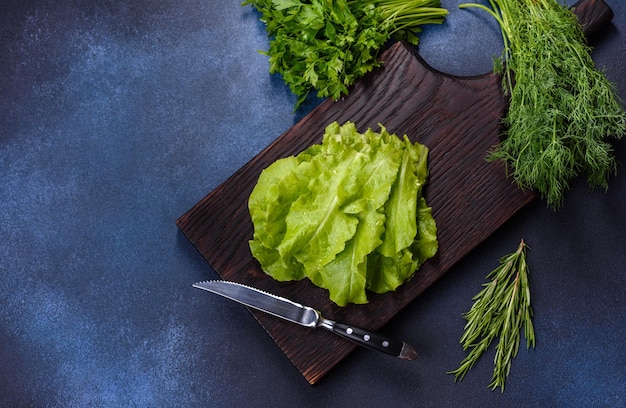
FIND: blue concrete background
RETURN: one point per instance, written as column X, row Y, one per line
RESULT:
column 116, row 117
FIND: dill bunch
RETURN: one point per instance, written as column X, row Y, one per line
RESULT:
column 563, row 110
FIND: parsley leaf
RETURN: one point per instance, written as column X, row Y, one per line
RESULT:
column 325, row 45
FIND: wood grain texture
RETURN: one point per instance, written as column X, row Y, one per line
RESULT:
column 459, row 120
column 593, row 15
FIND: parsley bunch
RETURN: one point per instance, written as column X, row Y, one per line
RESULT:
column 562, row 109
column 327, row 44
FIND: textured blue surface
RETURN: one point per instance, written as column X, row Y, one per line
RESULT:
column 116, row 118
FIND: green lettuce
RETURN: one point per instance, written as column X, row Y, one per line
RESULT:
column 348, row 214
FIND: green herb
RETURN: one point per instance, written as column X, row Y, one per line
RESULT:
column 327, row 44
column 347, row 214
column 500, row 309
column 562, row 109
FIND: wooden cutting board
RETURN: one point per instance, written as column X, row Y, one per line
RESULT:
column 457, row 118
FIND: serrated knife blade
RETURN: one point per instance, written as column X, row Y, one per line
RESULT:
column 306, row 316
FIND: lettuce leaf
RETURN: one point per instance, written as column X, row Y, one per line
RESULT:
column 347, row 214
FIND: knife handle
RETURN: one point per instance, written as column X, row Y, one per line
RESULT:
column 374, row 341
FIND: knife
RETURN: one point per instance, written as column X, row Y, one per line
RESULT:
column 306, row 316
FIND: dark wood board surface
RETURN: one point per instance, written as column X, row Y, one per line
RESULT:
column 457, row 118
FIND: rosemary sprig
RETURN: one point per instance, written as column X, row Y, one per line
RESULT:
column 500, row 309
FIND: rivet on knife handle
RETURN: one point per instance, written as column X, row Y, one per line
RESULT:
column 372, row 340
